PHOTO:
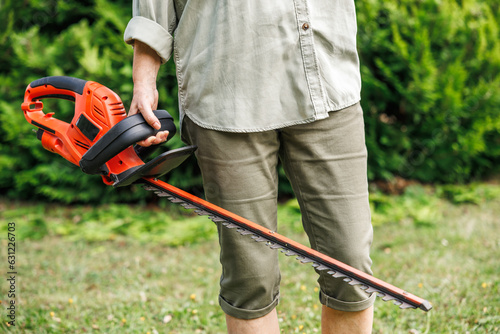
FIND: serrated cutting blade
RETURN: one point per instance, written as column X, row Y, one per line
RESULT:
column 303, row 254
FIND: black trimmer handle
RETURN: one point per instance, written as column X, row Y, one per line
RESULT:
column 61, row 82
column 124, row 134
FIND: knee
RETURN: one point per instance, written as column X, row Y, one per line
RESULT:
column 249, row 297
column 250, row 288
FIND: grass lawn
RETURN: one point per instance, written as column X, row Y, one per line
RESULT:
column 116, row 281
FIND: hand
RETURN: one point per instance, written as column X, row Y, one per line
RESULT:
column 145, row 99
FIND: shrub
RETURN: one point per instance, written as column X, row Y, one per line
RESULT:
column 430, row 71
column 71, row 38
column 431, row 78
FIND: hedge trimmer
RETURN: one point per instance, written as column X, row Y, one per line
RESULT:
column 99, row 139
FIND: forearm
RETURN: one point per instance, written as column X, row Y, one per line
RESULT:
column 145, row 70
column 146, row 65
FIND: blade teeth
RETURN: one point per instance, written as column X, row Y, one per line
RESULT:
column 150, row 188
column 306, row 260
column 201, row 212
column 339, row 275
column 258, row 238
column 319, row 266
column 274, row 245
column 322, row 268
column 188, row 206
column 355, row 282
column 245, row 232
column 388, row 298
column 175, row 200
column 229, row 225
column 406, row 305
column 288, row 252
column 371, row 289
column 217, row 219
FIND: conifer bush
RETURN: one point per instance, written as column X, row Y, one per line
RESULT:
column 431, row 78
column 430, row 71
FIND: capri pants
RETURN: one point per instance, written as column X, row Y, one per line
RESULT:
column 325, row 162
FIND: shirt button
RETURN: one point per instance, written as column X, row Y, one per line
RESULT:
column 305, row 26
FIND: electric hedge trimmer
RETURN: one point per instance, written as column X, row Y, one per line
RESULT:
column 99, row 139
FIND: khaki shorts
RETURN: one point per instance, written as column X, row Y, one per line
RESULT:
column 325, row 162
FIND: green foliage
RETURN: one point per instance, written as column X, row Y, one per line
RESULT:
column 417, row 206
column 124, row 286
column 107, row 222
column 431, row 78
column 424, row 206
column 475, row 193
column 84, row 40
column 430, row 72
column 167, row 224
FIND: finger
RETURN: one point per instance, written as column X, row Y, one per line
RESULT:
column 147, row 142
column 154, row 140
column 150, row 117
column 160, row 137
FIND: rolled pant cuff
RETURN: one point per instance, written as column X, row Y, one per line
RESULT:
column 340, row 305
column 244, row 314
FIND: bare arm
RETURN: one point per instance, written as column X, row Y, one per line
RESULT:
column 145, row 100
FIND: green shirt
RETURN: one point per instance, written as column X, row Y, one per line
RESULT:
column 248, row 66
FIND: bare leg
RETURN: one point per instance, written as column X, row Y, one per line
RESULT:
column 339, row 322
column 267, row 324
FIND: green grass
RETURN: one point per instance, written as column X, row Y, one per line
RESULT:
column 130, row 274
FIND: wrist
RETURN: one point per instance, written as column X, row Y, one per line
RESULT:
column 144, row 84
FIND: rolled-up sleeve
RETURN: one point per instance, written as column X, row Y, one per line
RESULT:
column 153, row 23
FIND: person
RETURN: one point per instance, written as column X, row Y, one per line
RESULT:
column 262, row 81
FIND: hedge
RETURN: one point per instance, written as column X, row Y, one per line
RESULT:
column 431, row 87
column 430, row 71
